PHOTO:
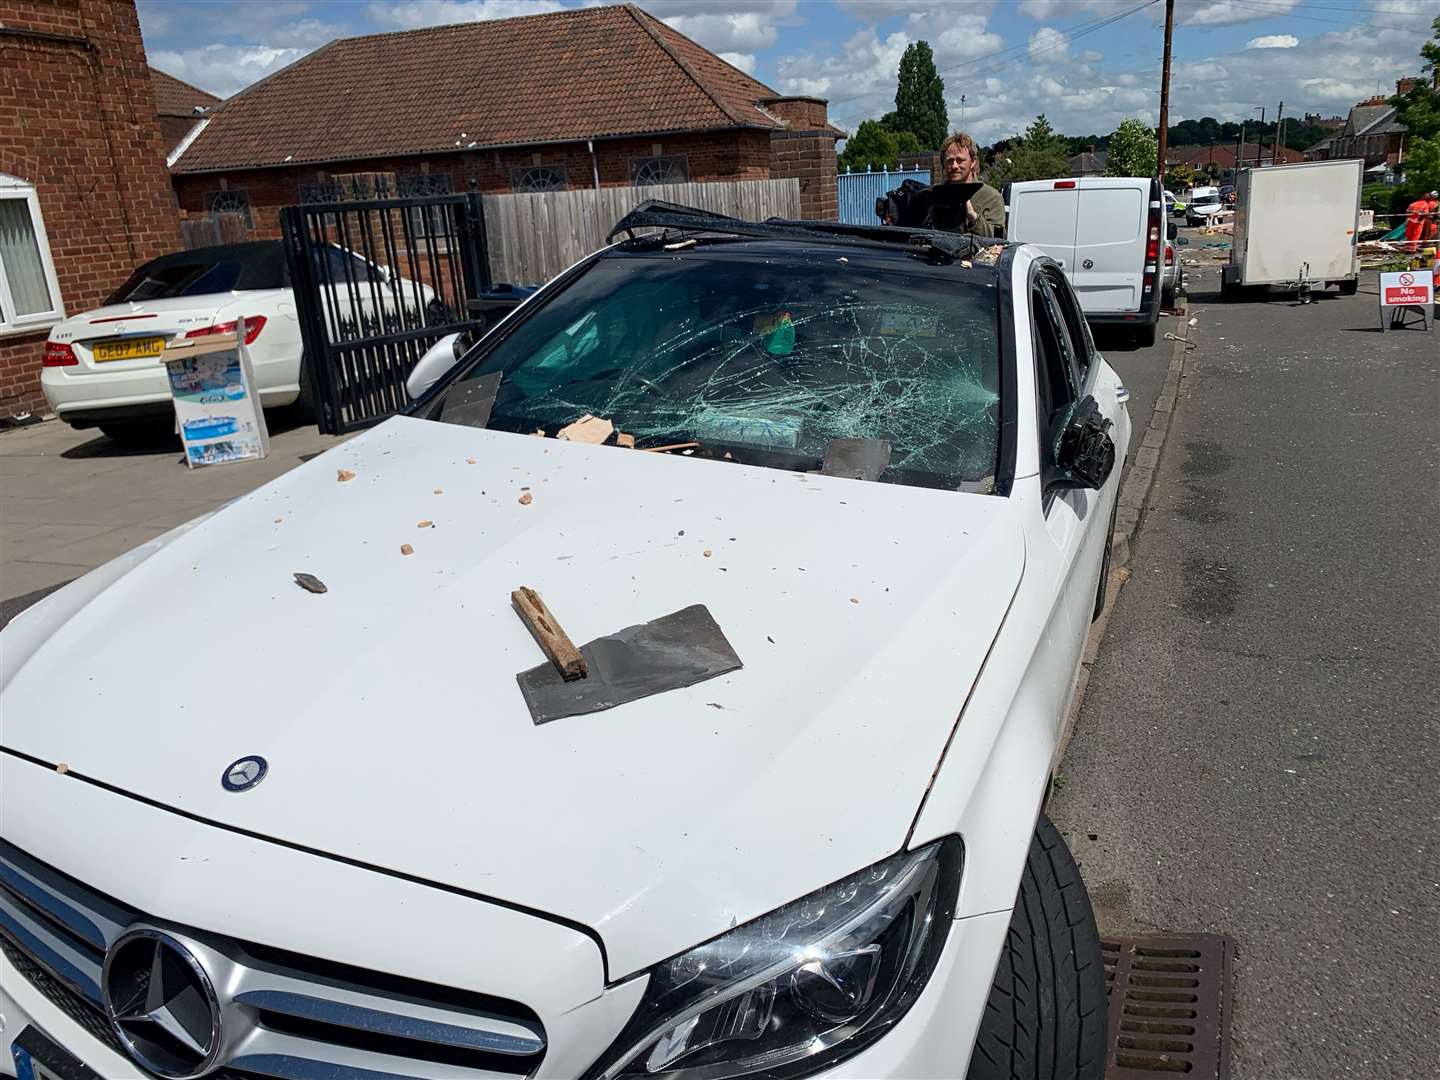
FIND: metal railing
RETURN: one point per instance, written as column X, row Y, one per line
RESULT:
column 858, row 192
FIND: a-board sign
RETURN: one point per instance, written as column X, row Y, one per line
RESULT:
column 217, row 412
column 1407, row 288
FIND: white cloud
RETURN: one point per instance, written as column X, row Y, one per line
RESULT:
column 413, row 14
column 1048, row 9
column 224, row 69
column 744, row 61
column 736, row 30
column 1226, row 12
column 1047, row 45
column 1273, row 41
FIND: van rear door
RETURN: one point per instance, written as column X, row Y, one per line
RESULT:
column 1109, row 266
column 1044, row 215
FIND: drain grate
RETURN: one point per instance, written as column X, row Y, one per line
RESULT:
column 1169, row 1006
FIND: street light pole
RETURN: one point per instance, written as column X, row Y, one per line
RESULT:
column 1260, row 135
column 962, row 112
column 1164, row 147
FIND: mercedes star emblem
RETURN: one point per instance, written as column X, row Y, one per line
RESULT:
column 161, row 1004
column 244, row 774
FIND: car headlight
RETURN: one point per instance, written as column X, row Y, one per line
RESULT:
column 801, row 988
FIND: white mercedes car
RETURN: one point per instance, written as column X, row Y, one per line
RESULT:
column 292, row 791
column 102, row 368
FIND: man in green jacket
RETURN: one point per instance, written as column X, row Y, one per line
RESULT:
column 960, row 160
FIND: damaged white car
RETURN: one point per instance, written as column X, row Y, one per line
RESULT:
column 829, row 546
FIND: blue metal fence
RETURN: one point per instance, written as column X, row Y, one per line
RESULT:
column 858, row 192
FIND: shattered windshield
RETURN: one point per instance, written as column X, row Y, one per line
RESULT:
column 736, row 354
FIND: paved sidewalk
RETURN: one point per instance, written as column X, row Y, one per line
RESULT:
column 72, row 500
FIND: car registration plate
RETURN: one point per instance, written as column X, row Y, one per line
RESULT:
column 128, row 349
column 37, row 1058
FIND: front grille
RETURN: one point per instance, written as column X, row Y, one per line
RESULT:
column 286, row 1015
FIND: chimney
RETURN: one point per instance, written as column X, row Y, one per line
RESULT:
column 1404, row 86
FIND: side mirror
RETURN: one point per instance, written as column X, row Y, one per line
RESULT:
column 438, row 359
column 1172, row 231
column 1085, row 455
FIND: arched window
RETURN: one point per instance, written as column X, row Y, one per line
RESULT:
column 539, row 178
column 29, row 291
column 645, row 172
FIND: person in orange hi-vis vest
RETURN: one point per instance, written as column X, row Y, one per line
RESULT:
column 1415, row 219
column 1432, row 222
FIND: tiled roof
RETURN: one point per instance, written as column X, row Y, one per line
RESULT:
column 176, row 98
column 1362, row 116
column 558, row 77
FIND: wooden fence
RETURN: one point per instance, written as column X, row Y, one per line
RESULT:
column 534, row 237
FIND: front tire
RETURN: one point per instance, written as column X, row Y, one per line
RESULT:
column 1045, row 1017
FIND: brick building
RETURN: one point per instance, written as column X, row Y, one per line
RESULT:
column 84, row 195
column 572, row 99
column 180, row 107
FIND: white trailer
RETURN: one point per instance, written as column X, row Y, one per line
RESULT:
column 1295, row 226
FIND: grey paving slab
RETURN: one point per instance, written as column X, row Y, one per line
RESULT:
column 70, row 500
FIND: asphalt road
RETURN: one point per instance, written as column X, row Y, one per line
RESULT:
column 1258, row 751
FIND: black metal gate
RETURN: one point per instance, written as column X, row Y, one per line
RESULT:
column 378, row 281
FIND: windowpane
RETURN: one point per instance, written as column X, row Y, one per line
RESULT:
column 20, row 257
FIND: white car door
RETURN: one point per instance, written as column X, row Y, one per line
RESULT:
column 1076, row 519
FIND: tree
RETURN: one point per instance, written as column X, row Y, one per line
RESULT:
column 1134, row 150
column 1039, row 154
column 1180, row 177
column 871, row 147
column 920, row 97
column 1419, row 111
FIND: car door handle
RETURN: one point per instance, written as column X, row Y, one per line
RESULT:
column 1122, row 394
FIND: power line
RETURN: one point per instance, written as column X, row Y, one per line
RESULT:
column 1061, row 40
column 1258, row 7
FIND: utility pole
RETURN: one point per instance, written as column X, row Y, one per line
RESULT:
column 1279, row 127
column 1165, row 90
column 1239, row 155
column 1260, row 137
column 962, row 112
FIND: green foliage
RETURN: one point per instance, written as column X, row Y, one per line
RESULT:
column 1180, row 177
column 1422, row 165
column 920, row 97
column 1134, row 150
column 1039, row 154
column 871, row 147
column 907, row 143
column 1419, row 110
column 1208, row 131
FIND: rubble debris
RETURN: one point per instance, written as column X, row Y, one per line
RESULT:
column 62, row 768
column 668, row 653
column 406, row 549
column 627, row 441
column 707, row 553
column 525, row 499
column 670, row 446
column 438, row 491
column 988, row 256
column 470, row 461
column 538, row 433
column 279, row 520
column 856, row 459
column 343, row 475
column 549, row 634
column 588, row 429
column 310, row 583
column 426, row 524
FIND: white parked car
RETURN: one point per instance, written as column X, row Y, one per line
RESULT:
column 1108, row 234
column 254, row 829
column 102, row 368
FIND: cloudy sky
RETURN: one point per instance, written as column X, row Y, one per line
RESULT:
column 1086, row 63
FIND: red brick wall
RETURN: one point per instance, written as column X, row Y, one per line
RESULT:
column 728, row 155
column 806, row 151
column 77, row 119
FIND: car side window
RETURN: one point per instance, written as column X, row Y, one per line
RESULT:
column 1054, row 371
column 1083, row 353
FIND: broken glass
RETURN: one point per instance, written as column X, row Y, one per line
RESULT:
column 779, row 355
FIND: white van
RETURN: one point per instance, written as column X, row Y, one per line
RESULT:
column 1203, row 202
column 1108, row 234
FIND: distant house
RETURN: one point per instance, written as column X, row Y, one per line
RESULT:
column 180, row 107
column 1090, row 162
column 1218, row 159
column 1371, row 132
column 589, row 97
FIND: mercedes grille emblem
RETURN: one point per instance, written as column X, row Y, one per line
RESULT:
column 244, row 774
column 161, row 1004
